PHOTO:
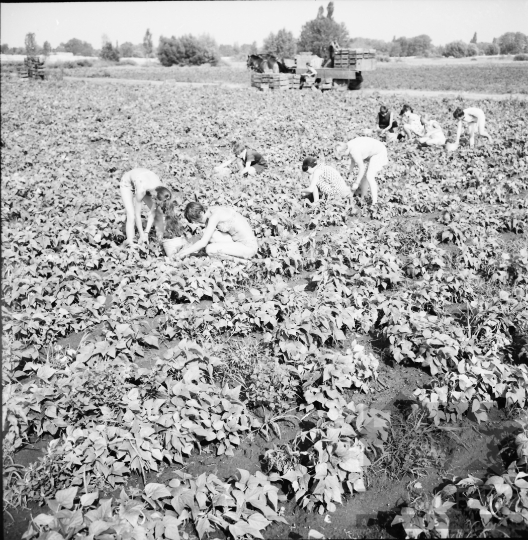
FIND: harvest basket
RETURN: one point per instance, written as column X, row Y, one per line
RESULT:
column 173, row 245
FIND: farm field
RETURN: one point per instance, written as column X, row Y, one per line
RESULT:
column 485, row 78
column 365, row 376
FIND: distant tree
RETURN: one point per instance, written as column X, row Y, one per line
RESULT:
column 138, row 51
column 104, row 40
column 241, row 51
column 513, row 43
column 226, row 50
column 282, row 44
column 78, row 47
column 396, row 48
column 110, row 53
column 4, row 48
column 472, row 50
column 492, row 49
column 320, row 12
column 438, row 50
column 458, row 49
column 317, row 34
column 416, row 46
column 46, row 48
column 419, row 45
column 126, row 50
column 330, row 10
column 367, row 43
column 474, row 38
column 30, row 43
column 147, row 44
column 488, row 48
column 187, row 50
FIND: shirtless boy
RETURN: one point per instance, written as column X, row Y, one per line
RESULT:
column 227, row 233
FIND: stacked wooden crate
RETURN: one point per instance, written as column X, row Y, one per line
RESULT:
column 279, row 81
column 34, row 67
column 296, row 81
column 356, row 59
column 256, row 79
column 274, row 81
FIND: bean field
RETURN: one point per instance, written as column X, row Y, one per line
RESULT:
column 364, row 376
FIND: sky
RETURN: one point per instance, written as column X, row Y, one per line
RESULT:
column 248, row 21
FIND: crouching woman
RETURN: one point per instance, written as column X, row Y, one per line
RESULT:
column 227, row 233
column 324, row 180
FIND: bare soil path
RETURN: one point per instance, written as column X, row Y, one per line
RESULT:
column 368, row 91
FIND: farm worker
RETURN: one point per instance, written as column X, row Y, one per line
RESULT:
column 411, row 122
column 248, row 161
column 434, row 134
column 332, row 48
column 310, row 74
column 361, row 150
column 475, row 120
column 137, row 186
column 227, row 233
column 324, row 179
column 386, row 122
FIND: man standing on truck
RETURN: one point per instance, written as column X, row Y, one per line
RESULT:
column 332, row 48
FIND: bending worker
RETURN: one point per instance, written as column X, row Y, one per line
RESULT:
column 370, row 156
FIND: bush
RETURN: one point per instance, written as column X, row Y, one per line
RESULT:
column 127, row 62
column 489, row 49
column 521, row 57
column 70, row 64
column 108, row 52
column 472, row 50
column 458, row 49
column 187, row 51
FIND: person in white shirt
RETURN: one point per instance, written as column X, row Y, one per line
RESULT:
column 475, row 120
column 310, row 74
column 370, row 156
column 434, row 135
column 411, row 122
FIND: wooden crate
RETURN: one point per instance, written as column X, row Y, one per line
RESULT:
column 34, row 67
column 274, row 81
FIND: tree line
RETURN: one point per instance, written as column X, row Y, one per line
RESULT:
column 315, row 37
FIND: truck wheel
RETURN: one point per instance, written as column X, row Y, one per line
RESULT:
column 355, row 84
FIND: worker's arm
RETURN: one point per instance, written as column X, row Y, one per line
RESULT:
column 312, row 188
column 228, row 162
column 151, row 216
column 459, row 130
column 204, row 240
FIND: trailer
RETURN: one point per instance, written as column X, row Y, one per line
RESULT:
column 345, row 69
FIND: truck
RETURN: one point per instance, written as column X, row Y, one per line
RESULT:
column 344, row 69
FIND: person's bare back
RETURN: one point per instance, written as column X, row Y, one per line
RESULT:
column 363, row 148
column 233, row 223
